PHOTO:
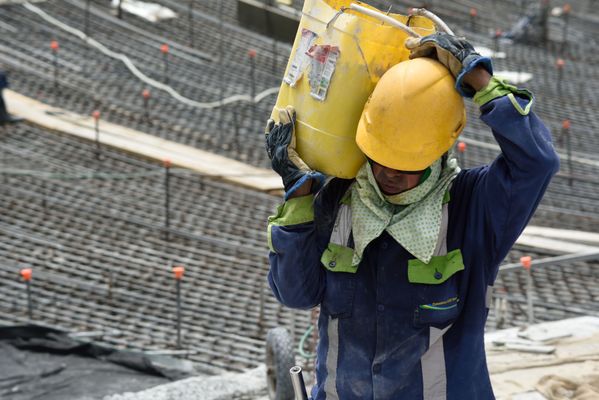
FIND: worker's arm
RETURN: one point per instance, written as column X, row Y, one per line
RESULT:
column 296, row 276
column 478, row 78
column 506, row 193
column 503, row 196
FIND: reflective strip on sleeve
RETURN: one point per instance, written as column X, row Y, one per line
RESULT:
column 343, row 225
column 330, row 384
column 489, row 297
column 441, row 249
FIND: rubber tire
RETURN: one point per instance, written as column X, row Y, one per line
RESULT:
column 280, row 357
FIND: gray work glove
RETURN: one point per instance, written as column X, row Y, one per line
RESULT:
column 280, row 146
column 457, row 54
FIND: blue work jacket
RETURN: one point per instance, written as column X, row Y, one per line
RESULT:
column 385, row 335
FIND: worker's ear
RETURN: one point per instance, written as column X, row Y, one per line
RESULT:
column 444, row 159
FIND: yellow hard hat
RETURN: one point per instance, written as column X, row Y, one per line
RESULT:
column 413, row 116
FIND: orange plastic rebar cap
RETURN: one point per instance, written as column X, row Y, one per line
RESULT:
column 26, row 274
column 178, row 271
column 526, row 262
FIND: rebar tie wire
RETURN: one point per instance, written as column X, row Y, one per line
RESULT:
column 140, row 75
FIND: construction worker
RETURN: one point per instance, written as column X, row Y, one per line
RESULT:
column 402, row 259
column 5, row 117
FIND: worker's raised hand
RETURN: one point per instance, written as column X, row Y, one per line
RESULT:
column 280, row 146
column 457, row 54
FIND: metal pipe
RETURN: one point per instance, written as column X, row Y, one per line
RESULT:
column 29, row 301
column 385, row 18
column 545, row 262
column 221, row 64
column 297, row 380
column 529, row 289
column 97, row 138
column 167, row 199
column 190, row 23
column 86, row 26
column 178, row 313
column 55, row 62
column 165, row 68
column 253, row 83
column 569, row 153
column 44, row 199
column 261, row 306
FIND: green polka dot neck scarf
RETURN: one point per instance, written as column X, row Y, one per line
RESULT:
column 412, row 218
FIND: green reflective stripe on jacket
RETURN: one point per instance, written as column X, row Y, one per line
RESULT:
column 438, row 270
column 294, row 211
column 338, row 258
column 499, row 88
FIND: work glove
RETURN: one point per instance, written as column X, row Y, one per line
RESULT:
column 280, row 146
column 457, row 54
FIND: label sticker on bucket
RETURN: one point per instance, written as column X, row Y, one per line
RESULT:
column 324, row 61
column 300, row 58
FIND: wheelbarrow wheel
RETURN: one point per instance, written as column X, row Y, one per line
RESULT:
column 280, row 358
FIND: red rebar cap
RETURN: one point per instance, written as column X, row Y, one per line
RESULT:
column 26, row 274
column 462, row 147
column 178, row 271
column 411, row 10
column 252, row 53
column 96, row 115
column 559, row 63
column 473, row 12
column 146, row 94
column 54, row 45
column 566, row 124
column 498, row 32
column 164, row 48
column 567, row 8
column 167, row 163
column 526, row 262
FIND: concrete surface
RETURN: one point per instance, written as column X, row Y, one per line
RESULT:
column 515, row 374
column 248, row 385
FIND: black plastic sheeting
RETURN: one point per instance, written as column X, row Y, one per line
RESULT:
column 43, row 363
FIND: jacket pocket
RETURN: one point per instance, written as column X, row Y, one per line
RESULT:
column 340, row 289
column 337, row 258
column 436, row 288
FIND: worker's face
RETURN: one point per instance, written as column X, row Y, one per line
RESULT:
column 393, row 181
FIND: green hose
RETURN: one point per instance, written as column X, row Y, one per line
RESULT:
column 302, row 343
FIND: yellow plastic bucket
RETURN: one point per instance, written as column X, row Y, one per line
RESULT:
column 336, row 61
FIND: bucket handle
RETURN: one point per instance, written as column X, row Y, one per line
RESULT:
column 436, row 20
column 393, row 22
